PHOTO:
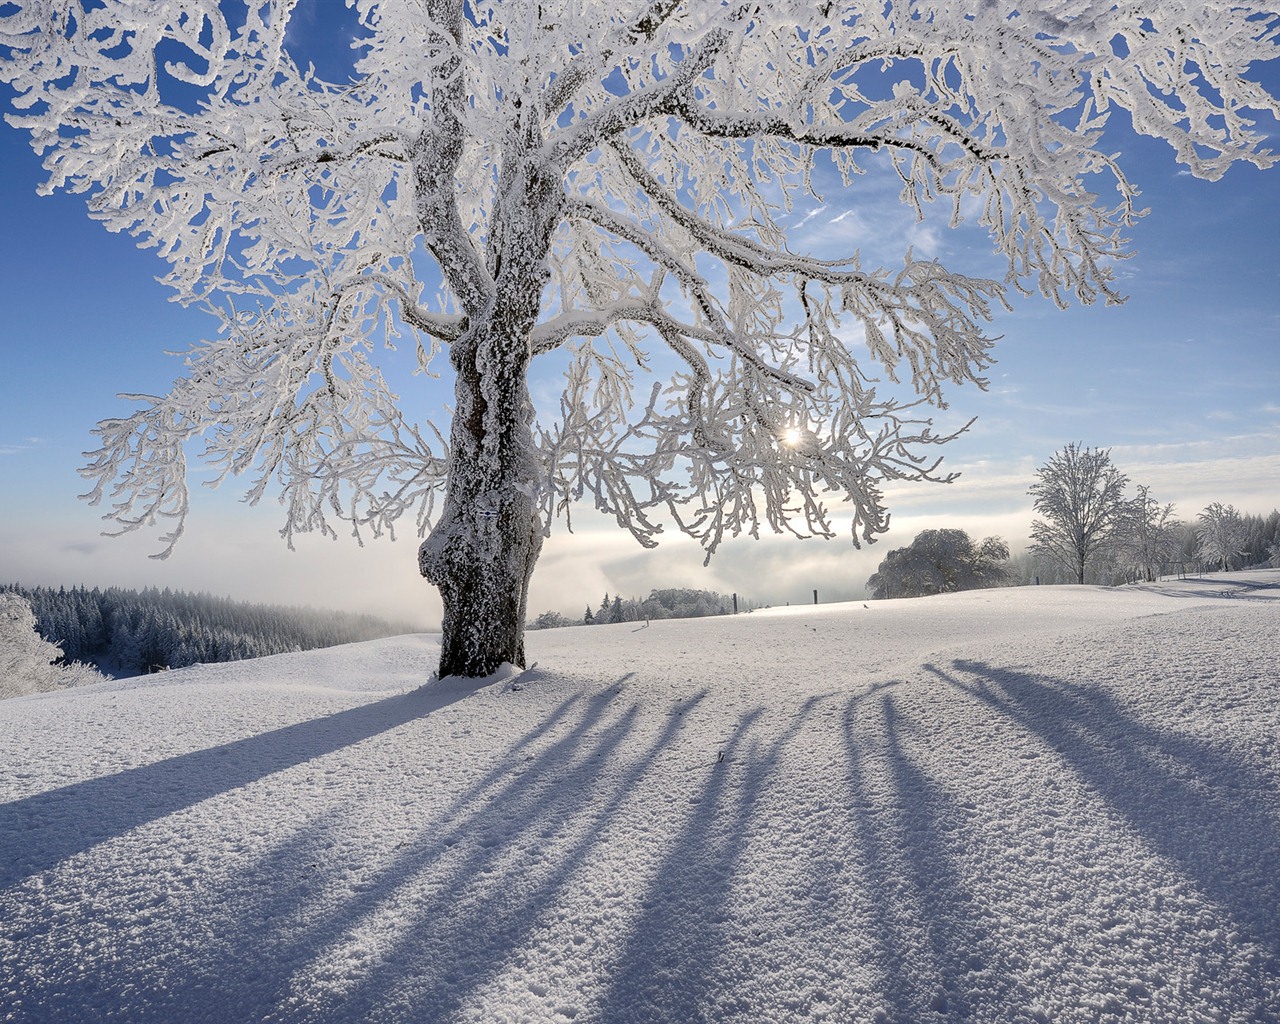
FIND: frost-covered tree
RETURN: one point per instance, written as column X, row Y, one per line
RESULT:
column 604, row 614
column 1080, row 495
column 940, row 562
column 26, row 658
column 28, row 662
column 1149, row 536
column 611, row 180
column 551, row 620
column 1261, row 532
column 1221, row 535
column 130, row 632
column 1271, row 539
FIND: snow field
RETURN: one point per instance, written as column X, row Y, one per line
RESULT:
column 1045, row 804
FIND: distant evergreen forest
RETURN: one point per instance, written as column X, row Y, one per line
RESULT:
column 670, row 603
column 132, row 632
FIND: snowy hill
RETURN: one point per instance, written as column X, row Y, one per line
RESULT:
column 1043, row 804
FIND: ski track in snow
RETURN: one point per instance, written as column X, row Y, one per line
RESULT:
column 1043, row 804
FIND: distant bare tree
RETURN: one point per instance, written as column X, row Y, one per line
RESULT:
column 1149, row 536
column 1080, row 494
column 1221, row 535
column 940, row 562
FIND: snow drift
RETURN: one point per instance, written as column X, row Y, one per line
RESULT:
column 1042, row 804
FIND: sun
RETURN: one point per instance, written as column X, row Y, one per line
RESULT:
column 791, row 437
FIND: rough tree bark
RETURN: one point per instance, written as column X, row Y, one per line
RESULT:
column 482, row 551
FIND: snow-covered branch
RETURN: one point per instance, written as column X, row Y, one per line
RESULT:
column 611, row 179
column 335, row 446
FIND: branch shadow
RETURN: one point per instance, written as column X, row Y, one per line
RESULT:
column 1190, row 799
column 1209, row 587
column 40, row 831
column 421, row 932
column 932, row 954
column 469, row 932
column 667, row 967
column 425, row 929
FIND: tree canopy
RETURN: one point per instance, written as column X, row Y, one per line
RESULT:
column 940, row 562
column 1221, row 535
column 500, row 180
column 1079, row 495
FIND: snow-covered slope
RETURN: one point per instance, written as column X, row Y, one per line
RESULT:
column 1044, row 804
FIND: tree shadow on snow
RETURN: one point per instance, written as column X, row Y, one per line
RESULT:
column 501, row 856
column 40, row 831
column 1195, row 803
column 933, row 958
column 308, row 937
column 417, row 933
column 1204, row 586
column 667, row 967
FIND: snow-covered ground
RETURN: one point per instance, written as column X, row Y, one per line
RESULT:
column 1044, row 804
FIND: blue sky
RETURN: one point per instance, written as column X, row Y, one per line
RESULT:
column 1182, row 383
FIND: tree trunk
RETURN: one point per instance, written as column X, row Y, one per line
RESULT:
column 483, row 549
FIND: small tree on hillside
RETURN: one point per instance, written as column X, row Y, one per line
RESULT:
column 1221, row 535
column 551, row 620
column 604, row 179
column 940, row 562
column 1149, row 536
column 1080, row 494
column 28, row 662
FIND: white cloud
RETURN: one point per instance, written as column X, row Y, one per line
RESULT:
column 989, row 498
column 230, row 549
column 925, row 240
column 226, row 551
column 810, row 215
column 25, row 445
column 1240, row 470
